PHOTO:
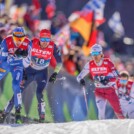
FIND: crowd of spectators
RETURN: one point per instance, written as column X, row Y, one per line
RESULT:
column 74, row 59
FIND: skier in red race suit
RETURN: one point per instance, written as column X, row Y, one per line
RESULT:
column 104, row 74
column 125, row 92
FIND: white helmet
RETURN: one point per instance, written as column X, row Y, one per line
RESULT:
column 96, row 48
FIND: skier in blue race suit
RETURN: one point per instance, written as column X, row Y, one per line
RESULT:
column 13, row 49
column 36, row 66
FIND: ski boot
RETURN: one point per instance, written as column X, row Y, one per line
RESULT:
column 42, row 118
column 18, row 119
column 41, row 111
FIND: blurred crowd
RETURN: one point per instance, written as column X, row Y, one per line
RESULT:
column 29, row 16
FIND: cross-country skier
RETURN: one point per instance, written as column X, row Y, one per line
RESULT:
column 125, row 91
column 36, row 68
column 13, row 49
column 104, row 75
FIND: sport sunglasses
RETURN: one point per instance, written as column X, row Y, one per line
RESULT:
column 45, row 39
column 95, row 53
column 123, row 81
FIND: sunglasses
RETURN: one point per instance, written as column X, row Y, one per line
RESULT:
column 95, row 53
column 123, row 81
column 45, row 39
column 18, row 39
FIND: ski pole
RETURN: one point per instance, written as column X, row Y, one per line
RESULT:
column 85, row 97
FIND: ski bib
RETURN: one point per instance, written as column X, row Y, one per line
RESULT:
column 40, row 58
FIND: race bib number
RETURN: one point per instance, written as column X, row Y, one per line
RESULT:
column 40, row 62
column 99, row 78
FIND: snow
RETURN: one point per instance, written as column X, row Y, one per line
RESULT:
column 84, row 127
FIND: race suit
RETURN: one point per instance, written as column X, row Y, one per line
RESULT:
column 126, row 98
column 103, row 93
column 10, row 62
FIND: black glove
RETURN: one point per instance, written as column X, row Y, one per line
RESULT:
column 119, row 95
column 53, row 77
column 82, row 82
column 19, row 52
column 127, row 98
column 105, row 80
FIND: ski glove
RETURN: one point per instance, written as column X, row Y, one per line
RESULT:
column 82, row 82
column 53, row 77
column 127, row 98
column 19, row 52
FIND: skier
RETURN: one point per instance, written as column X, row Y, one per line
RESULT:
column 125, row 92
column 104, row 75
column 36, row 67
column 13, row 49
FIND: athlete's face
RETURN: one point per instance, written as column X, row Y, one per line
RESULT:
column 44, row 42
column 18, row 40
column 123, row 81
column 96, row 56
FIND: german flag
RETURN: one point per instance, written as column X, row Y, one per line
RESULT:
column 86, row 26
column 83, row 24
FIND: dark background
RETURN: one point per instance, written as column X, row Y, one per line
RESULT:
column 67, row 6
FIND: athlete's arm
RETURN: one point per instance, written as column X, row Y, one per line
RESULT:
column 57, row 56
column 132, row 91
column 27, row 60
column 113, row 71
column 83, row 73
column 4, row 53
column 112, row 75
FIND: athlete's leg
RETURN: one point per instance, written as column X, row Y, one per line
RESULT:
column 101, row 104
column 41, row 79
column 10, row 104
column 124, row 107
column 114, row 102
column 17, row 72
column 131, row 111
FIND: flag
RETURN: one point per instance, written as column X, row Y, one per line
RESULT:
column 62, row 36
column 116, row 25
column 97, row 6
column 83, row 24
column 94, row 5
column 84, row 21
column 87, row 25
column 92, row 40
